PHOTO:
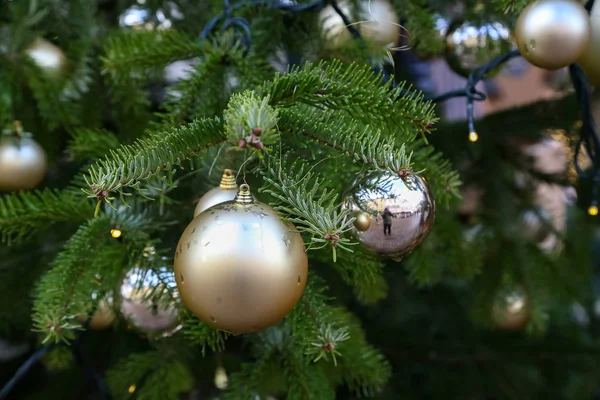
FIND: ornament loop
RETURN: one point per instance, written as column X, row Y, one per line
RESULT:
column 228, row 180
column 243, row 195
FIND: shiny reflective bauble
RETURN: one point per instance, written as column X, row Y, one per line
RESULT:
column 377, row 23
column 510, row 311
column 140, row 17
column 146, row 302
column 239, row 267
column 471, row 44
column 553, row 34
column 226, row 191
column 23, row 163
column 362, row 222
column 48, row 57
column 590, row 59
column 406, row 223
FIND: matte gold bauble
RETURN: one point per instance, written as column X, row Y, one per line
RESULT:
column 401, row 213
column 472, row 44
column 239, row 267
column 590, row 60
column 147, row 303
column 49, row 57
column 362, row 222
column 553, row 34
column 510, row 311
column 22, row 163
column 226, row 191
column 377, row 23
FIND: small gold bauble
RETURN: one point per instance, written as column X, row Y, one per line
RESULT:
column 377, row 23
column 510, row 311
column 239, row 267
column 590, row 60
column 472, row 44
column 401, row 213
column 49, row 57
column 553, row 34
column 362, row 222
column 103, row 316
column 146, row 303
column 226, row 191
column 22, row 163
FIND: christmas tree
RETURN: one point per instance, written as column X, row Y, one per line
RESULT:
column 280, row 199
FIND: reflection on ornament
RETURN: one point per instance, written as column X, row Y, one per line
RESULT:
column 140, row 17
column 103, row 316
column 239, row 267
column 553, row 34
column 470, row 45
column 589, row 61
column 510, row 311
column 377, row 22
column 401, row 210
column 146, row 303
column 226, row 191
column 362, row 222
column 534, row 225
column 221, row 378
column 48, row 57
column 22, row 163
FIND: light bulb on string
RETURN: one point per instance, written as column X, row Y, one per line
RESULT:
column 116, row 232
column 473, row 137
column 593, row 210
column 131, row 389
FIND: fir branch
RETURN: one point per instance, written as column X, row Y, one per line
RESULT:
column 89, row 143
column 199, row 333
column 304, row 382
column 24, row 213
column 245, row 384
column 313, row 210
column 129, row 165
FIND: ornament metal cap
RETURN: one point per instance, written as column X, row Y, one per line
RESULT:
column 228, row 180
column 243, row 195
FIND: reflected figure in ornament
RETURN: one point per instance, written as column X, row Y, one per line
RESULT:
column 387, row 221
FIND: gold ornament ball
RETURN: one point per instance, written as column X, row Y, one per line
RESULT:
column 472, row 44
column 22, row 163
column 401, row 213
column 146, row 302
column 590, row 60
column 510, row 311
column 49, row 57
column 226, row 191
column 377, row 23
column 239, row 267
column 103, row 316
column 362, row 222
column 553, row 34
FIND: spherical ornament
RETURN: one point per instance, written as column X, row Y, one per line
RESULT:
column 471, row 44
column 362, row 222
column 147, row 304
column 590, row 61
column 510, row 311
column 140, row 17
column 553, row 34
column 239, row 267
column 48, row 57
column 226, row 191
column 376, row 21
column 401, row 211
column 103, row 315
column 22, row 163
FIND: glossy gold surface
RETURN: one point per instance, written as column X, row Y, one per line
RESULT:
column 412, row 209
column 362, row 222
column 590, row 60
column 472, row 44
column 553, row 34
column 49, row 57
column 224, row 192
column 22, row 164
column 239, row 267
column 146, row 303
column 510, row 310
column 377, row 22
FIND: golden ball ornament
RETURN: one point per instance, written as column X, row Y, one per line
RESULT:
column 590, row 60
column 470, row 44
column 23, row 163
column 401, row 213
column 226, row 191
column 362, row 222
column 553, row 34
column 103, row 316
column 239, row 267
column 376, row 21
column 48, row 57
column 510, row 310
column 149, row 301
